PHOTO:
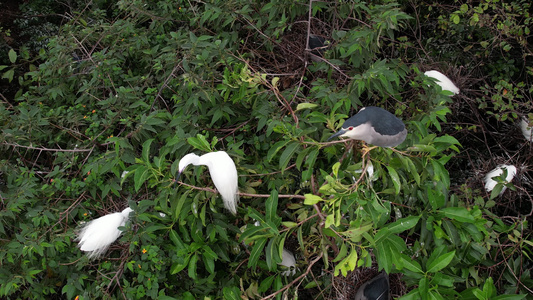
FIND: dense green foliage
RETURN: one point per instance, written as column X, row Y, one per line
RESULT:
column 98, row 118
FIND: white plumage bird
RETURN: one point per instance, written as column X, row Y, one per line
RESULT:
column 491, row 183
column 96, row 236
column 526, row 129
column 223, row 173
column 445, row 83
column 288, row 260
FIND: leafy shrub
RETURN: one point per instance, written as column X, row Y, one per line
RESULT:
column 124, row 91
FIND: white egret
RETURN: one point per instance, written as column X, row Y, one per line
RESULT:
column 445, row 83
column 97, row 235
column 288, row 260
column 375, row 126
column 223, row 173
column 526, row 129
column 375, row 289
column 491, row 183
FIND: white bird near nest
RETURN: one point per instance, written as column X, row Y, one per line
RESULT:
column 96, row 236
column 490, row 183
column 445, row 83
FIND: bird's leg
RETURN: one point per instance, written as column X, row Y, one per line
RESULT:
column 365, row 149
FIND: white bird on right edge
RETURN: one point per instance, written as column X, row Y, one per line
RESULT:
column 445, row 83
column 527, row 130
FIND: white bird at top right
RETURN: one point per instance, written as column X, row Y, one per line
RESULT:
column 445, row 83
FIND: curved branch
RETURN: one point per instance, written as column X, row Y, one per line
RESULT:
column 214, row 191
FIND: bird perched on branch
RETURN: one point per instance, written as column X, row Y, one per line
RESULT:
column 490, row 183
column 223, row 173
column 445, row 83
column 375, row 289
column 96, row 236
column 375, row 126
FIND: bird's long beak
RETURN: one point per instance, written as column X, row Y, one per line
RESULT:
column 340, row 132
column 178, row 177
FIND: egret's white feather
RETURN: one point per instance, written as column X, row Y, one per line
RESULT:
column 288, row 260
column 445, row 83
column 96, row 236
column 223, row 173
column 491, row 183
column 526, row 129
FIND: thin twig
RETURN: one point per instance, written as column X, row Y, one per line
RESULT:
column 46, row 149
column 205, row 189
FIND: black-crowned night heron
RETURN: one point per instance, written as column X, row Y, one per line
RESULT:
column 317, row 45
column 223, row 173
column 375, row 126
column 97, row 235
column 375, row 289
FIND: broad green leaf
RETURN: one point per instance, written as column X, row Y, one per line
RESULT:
column 199, row 142
column 141, row 174
column 275, row 148
column 403, row 224
column 177, row 267
column 410, row 264
column 305, row 106
column 271, row 207
column 460, row 214
column 193, row 266
column 311, row 199
column 256, row 252
column 146, row 151
column 423, row 288
column 395, row 179
column 287, row 155
column 441, row 262
column 12, row 56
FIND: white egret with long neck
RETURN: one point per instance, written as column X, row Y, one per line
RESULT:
column 223, row 173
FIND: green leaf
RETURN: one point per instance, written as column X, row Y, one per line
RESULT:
column 193, row 266
column 395, row 179
column 141, row 174
column 256, row 252
column 460, row 214
column 311, row 199
column 403, row 224
column 441, row 262
column 199, row 142
column 271, row 207
column 9, row 75
column 287, row 155
column 12, row 56
column 146, row 151
column 305, row 106
column 275, row 148
column 410, row 264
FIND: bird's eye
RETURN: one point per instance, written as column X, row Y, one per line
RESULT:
column 350, row 128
